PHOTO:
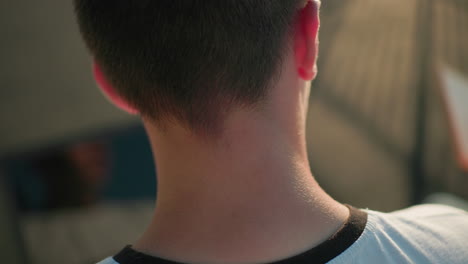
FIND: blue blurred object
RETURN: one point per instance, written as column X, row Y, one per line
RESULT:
column 133, row 171
column 131, row 174
column 27, row 188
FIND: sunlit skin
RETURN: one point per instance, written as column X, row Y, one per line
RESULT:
column 248, row 197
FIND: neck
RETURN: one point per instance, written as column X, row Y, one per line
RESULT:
column 252, row 189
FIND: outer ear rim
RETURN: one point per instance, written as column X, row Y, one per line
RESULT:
column 306, row 40
column 109, row 91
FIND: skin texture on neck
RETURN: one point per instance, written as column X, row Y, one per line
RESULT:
column 250, row 197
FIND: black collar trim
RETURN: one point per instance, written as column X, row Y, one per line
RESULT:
column 323, row 253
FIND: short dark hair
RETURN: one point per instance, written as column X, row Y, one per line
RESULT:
column 186, row 59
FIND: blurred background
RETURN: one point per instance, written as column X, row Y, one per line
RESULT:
column 388, row 124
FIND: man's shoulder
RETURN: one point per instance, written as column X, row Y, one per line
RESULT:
column 423, row 221
column 108, row 260
column 430, row 211
column 419, row 234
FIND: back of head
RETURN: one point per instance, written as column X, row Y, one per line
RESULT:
column 188, row 61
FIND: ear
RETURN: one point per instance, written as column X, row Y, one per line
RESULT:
column 306, row 40
column 108, row 90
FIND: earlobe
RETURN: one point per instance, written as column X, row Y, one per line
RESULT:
column 306, row 40
column 109, row 91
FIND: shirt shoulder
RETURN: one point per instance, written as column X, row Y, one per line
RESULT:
column 419, row 234
column 108, row 260
column 429, row 211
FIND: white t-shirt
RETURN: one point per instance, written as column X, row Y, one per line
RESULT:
column 421, row 234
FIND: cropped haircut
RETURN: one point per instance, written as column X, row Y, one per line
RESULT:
column 188, row 60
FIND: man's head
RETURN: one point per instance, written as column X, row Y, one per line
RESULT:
column 194, row 61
